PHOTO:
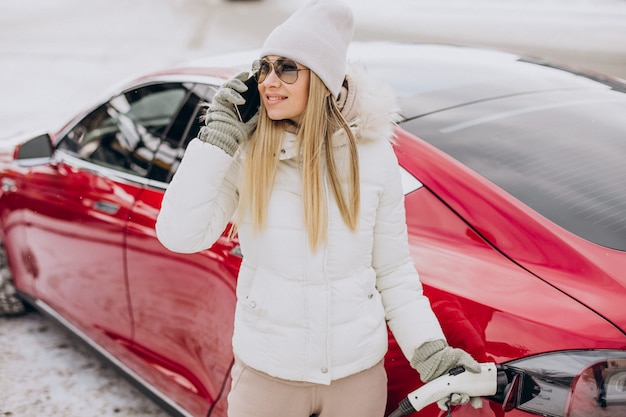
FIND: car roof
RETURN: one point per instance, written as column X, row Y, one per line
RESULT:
column 434, row 77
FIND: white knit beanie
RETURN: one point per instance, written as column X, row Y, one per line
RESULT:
column 316, row 36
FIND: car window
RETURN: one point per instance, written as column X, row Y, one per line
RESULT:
column 139, row 129
column 184, row 127
column 561, row 153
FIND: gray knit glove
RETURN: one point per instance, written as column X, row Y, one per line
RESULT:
column 223, row 128
column 435, row 358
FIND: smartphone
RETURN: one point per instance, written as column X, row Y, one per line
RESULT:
column 253, row 101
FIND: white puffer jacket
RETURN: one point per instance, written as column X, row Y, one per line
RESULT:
column 303, row 315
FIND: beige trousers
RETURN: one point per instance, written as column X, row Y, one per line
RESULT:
column 255, row 394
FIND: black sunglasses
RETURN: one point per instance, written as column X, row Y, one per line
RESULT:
column 286, row 69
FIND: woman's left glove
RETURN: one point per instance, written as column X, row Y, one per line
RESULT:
column 223, row 127
column 435, row 358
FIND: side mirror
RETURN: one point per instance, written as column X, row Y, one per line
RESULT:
column 35, row 151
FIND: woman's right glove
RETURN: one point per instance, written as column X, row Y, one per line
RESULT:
column 435, row 358
column 223, row 127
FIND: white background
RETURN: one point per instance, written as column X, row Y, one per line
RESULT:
column 57, row 56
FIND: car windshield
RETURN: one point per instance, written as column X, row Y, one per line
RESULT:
column 561, row 153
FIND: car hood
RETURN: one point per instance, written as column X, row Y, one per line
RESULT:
column 588, row 273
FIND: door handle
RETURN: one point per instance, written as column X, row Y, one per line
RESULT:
column 106, row 207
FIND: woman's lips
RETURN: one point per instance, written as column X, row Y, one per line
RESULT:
column 272, row 100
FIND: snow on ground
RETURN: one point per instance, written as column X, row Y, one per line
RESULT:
column 58, row 56
column 43, row 372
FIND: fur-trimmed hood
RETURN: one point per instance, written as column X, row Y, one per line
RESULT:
column 369, row 107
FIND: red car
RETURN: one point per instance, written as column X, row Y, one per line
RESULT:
column 515, row 180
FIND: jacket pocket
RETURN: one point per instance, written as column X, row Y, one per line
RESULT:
column 373, row 308
column 372, row 305
column 251, row 296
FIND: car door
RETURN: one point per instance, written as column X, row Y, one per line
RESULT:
column 82, row 202
column 183, row 305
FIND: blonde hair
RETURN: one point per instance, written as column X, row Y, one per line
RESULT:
column 320, row 120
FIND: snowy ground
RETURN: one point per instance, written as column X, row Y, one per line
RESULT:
column 57, row 56
column 43, row 372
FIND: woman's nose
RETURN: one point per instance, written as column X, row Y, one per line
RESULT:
column 271, row 78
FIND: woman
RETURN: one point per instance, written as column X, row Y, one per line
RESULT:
column 314, row 187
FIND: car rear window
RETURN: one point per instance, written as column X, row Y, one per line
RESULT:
column 561, row 153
